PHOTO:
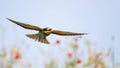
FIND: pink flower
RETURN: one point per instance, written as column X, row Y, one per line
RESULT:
column 78, row 61
column 17, row 56
column 57, row 41
column 69, row 54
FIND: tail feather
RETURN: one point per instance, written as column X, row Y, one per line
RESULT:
column 38, row 38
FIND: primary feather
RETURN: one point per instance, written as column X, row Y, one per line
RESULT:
column 27, row 26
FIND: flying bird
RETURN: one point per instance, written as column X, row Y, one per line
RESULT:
column 43, row 32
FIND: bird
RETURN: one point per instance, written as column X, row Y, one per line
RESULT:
column 43, row 32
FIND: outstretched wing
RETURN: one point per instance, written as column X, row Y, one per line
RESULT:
column 64, row 33
column 27, row 26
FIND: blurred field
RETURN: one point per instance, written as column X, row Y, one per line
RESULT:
column 69, row 54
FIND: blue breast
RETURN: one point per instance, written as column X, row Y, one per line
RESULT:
column 42, row 34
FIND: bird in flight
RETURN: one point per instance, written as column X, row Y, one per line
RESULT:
column 43, row 32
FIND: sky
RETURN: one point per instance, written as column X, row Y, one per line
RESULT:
column 99, row 18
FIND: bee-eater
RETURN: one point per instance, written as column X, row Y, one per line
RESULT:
column 43, row 32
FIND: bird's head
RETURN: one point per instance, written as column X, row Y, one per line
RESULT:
column 47, row 29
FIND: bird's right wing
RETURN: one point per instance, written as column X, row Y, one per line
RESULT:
column 64, row 33
column 27, row 26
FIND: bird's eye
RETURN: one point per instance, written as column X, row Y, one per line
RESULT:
column 47, row 29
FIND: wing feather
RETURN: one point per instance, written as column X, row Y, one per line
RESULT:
column 64, row 33
column 27, row 26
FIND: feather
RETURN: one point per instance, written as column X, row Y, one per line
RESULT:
column 64, row 33
column 27, row 26
column 38, row 38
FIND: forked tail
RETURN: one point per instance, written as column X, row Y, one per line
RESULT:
column 38, row 38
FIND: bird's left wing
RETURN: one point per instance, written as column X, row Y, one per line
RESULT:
column 27, row 26
column 64, row 33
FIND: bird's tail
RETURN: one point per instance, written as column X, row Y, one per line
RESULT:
column 38, row 38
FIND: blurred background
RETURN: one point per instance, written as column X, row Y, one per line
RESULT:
column 99, row 49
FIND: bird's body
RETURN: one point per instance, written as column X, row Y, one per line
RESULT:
column 47, row 32
column 43, row 32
